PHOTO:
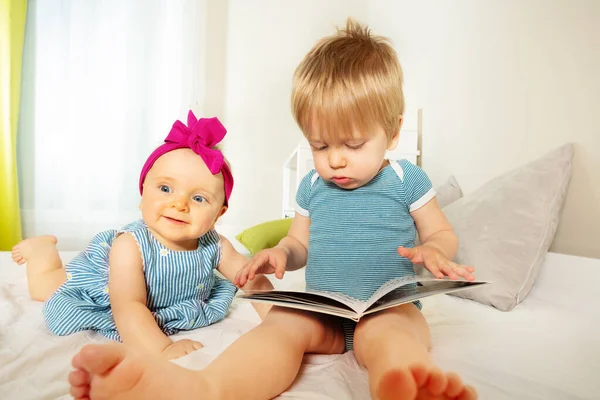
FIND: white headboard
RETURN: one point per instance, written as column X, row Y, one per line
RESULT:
column 300, row 161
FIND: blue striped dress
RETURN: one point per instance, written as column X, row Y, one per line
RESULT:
column 354, row 234
column 183, row 291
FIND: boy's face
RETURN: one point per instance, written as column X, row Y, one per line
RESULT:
column 181, row 199
column 354, row 161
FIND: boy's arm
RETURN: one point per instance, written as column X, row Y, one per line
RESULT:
column 290, row 254
column 439, row 243
column 127, row 289
column 295, row 244
column 231, row 263
column 434, row 229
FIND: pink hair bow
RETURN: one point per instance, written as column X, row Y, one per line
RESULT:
column 200, row 136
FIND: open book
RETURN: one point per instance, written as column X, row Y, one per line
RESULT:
column 390, row 294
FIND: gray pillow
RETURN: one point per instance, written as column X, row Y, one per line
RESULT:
column 506, row 227
column 448, row 193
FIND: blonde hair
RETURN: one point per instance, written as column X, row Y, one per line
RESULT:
column 220, row 148
column 348, row 83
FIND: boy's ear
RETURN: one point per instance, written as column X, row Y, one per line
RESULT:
column 396, row 136
column 393, row 142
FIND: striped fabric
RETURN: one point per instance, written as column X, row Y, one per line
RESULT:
column 354, row 234
column 183, row 291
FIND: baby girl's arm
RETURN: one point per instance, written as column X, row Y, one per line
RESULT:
column 127, row 288
column 439, row 243
column 231, row 263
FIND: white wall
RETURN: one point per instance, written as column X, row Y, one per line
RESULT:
column 501, row 83
column 265, row 42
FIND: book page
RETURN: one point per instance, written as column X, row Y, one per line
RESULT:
column 394, row 284
column 331, row 299
column 394, row 292
column 407, row 294
column 315, row 307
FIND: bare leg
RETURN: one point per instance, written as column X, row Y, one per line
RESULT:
column 114, row 371
column 260, row 365
column 394, row 347
column 276, row 348
column 45, row 272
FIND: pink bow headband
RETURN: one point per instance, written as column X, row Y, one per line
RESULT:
column 200, row 136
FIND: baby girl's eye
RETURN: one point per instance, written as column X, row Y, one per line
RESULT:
column 164, row 189
column 199, row 199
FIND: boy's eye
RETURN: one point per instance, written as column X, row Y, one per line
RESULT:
column 164, row 189
column 199, row 199
column 355, row 146
column 319, row 147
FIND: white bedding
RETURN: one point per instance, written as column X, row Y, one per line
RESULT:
column 548, row 347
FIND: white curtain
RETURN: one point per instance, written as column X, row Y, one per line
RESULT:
column 103, row 82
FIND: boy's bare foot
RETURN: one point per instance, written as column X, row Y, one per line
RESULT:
column 420, row 382
column 22, row 251
column 113, row 371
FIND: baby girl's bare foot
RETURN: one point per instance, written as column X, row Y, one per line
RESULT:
column 420, row 382
column 22, row 251
column 113, row 371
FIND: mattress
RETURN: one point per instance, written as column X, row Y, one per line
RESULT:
column 547, row 347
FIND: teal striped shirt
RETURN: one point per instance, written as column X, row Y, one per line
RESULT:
column 354, row 234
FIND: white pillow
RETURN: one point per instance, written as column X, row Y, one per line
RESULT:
column 506, row 227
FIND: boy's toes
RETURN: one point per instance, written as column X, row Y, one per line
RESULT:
column 99, row 359
column 468, row 393
column 79, row 378
column 398, row 384
column 80, row 392
column 455, row 385
column 437, row 382
column 420, row 374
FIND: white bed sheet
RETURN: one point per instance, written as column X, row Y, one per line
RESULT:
column 548, row 347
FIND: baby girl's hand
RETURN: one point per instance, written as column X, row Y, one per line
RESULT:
column 180, row 348
column 436, row 262
column 264, row 262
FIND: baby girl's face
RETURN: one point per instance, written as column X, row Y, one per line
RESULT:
column 182, row 199
column 353, row 161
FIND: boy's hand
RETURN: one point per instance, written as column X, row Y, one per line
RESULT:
column 180, row 348
column 436, row 262
column 264, row 262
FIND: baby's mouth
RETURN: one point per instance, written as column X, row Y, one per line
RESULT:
column 174, row 220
